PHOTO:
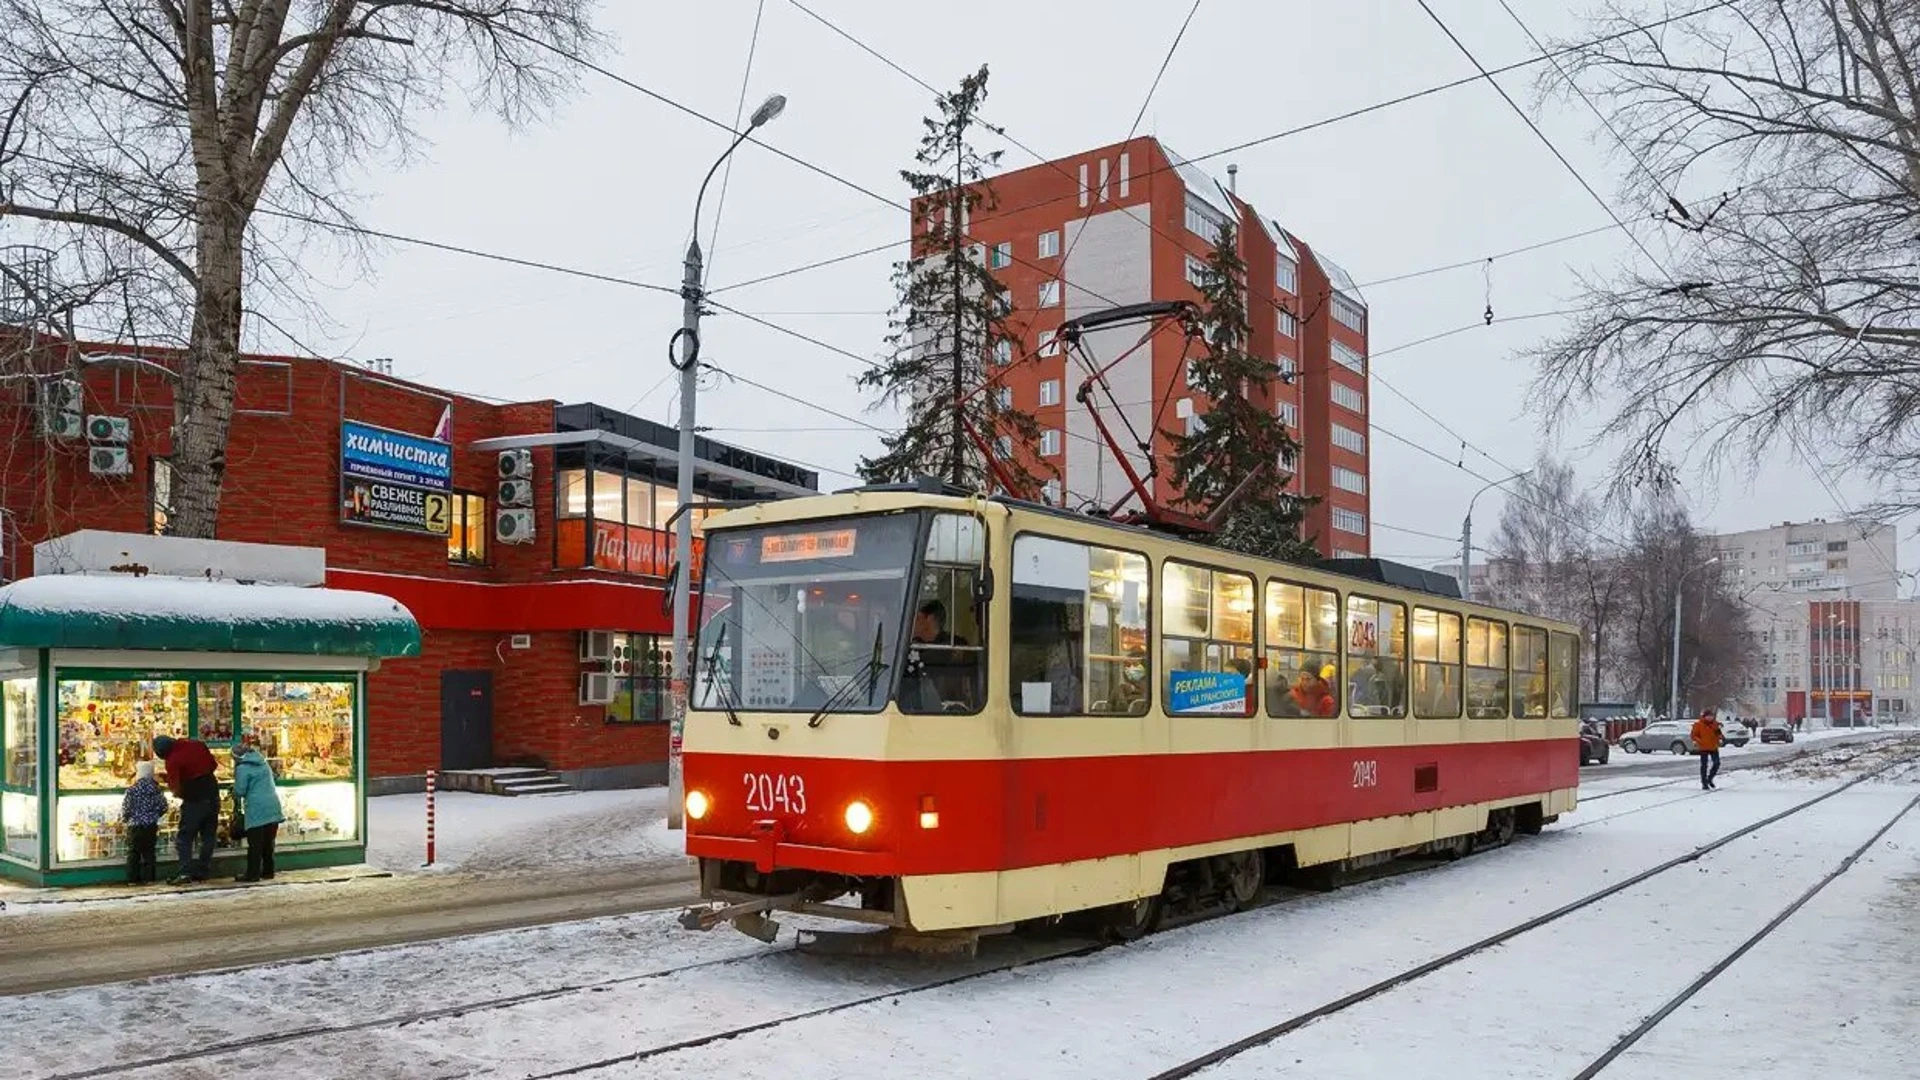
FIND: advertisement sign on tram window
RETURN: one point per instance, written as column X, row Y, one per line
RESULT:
column 1192, row 692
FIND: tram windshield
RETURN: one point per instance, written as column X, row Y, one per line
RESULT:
column 804, row 616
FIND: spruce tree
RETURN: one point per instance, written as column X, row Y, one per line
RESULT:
column 1238, row 433
column 950, row 316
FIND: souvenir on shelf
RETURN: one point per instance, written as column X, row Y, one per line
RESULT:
column 105, row 727
column 305, row 729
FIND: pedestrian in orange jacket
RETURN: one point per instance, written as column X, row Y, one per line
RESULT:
column 1706, row 740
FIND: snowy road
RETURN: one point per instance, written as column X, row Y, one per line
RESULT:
column 634, row 996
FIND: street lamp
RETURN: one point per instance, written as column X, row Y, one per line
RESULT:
column 1673, row 676
column 684, row 354
column 1466, row 535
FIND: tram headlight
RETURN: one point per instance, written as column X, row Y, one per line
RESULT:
column 859, row 817
column 698, row 804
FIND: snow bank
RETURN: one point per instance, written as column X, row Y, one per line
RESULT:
column 493, row 833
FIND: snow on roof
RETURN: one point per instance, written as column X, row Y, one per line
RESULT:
column 1342, row 281
column 1201, row 185
column 1281, row 240
column 85, row 611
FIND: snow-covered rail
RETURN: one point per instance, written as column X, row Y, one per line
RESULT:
column 1397, row 980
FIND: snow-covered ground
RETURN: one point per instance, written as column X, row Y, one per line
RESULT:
column 1836, row 991
column 492, row 833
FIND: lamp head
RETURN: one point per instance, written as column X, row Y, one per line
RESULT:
column 768, row 110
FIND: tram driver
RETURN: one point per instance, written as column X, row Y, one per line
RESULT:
column 947, row 664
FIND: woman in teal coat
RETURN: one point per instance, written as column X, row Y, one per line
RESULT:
column 259, row 806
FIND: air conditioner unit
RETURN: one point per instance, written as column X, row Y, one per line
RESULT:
column 108, row 461
column 109, row 429
column 596, row 688
column 61, row 425
column 513, row 526
column 62, row 395
column 516, row 464
column 516, row 493
column 596, row 646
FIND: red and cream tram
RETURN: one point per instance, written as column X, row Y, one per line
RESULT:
column 967, row 713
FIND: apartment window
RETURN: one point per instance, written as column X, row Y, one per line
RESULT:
column 1003, row 351
column 1049, row 342
column 1289, row 460
column 1289, row 326
column 1352, row 521
column 1376, row 657
column 1050, row 392
column 1003, row 447
column 1005, row 396
column 1348, row 439
column 1349, row 314
column 1003, row 302
column 1206, row 626
column 1348, row 553
column 1193, row 376
column 467, row 528
column 1050, row 493
column 1289, row 414
column 1348, row 480
column 1303, row 650
column 1196, row 272
column 1049, row 294
column 1288, row 369
column 1349, row 359
column 1049, row 244
column 1348, row 398
column 1050, row 443
column 1002, row 255
column 1079, row 640
column 1836, row 545
column 1287, row 275
column 1204, row 220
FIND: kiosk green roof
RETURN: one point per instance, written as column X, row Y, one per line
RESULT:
column 80, row 611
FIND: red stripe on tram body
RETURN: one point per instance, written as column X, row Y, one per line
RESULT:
column 1006, row 814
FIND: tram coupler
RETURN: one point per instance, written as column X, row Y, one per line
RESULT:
column 748, row 916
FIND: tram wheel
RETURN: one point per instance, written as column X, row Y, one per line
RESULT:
column 1243, row 873
column 1133, row 920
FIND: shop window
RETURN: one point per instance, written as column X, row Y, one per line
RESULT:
column 213, row 724
column 107, row 726
column 1376, row 657
column 1486, row 669
column 570, row 493
column 1303, row 650
column 467, row 530
column 609, row 491
column 1079, row 639
column 1529, row 672
column 20, row 777
column 946, row 659
column 639, row 502
column 1206, row 640
column 305, row 729
column 1436, row 664
column 643, row 668
column 1563, row 674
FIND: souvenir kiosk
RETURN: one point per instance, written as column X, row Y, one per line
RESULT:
column 95, row 663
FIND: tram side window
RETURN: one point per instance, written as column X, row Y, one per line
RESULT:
column 1376, row 657
column 1529, row 672
column 946, row 659
column 1563, row 675
column 1436, row 664
column 1303, row 650
column 1486, row 669
column 1079, row 635
column 1206, row 641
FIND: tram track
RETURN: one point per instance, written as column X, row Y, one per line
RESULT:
column 1265, row 1036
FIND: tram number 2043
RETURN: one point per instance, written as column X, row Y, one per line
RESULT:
column 1366, row 774
column 768, row 792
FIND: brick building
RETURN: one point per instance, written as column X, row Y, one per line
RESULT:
column 1130, row 223
column 511, row 629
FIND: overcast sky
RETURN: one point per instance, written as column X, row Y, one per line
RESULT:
column 607, row 184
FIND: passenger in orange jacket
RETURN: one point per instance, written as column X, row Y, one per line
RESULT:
column 1706, row 739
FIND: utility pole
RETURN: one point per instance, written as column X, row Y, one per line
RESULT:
column 1466, row 535
column 683, row 352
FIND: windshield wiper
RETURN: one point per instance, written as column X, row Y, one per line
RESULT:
column 713, row 668
column 874, row 666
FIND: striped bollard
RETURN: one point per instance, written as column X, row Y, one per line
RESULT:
column 429, row 817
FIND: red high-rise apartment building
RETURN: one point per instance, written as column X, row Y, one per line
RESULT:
column 1131, row 223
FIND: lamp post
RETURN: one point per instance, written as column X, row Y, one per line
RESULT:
column 684, row 354
column 1466, row 535
column 1673, row 676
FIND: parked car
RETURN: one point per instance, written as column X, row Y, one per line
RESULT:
column 1776, row 731
column 1593, row 744
column 1670, row 735
column 1733, row 732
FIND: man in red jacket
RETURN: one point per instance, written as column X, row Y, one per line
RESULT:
column 190, row 776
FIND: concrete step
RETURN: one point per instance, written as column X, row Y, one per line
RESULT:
column 505, row 781
column 554, row 787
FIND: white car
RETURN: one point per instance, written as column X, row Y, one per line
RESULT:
column 1671, row 735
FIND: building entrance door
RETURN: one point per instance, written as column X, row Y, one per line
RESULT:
column 466, row 719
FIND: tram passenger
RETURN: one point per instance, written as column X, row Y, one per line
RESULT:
column 1311, row 694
